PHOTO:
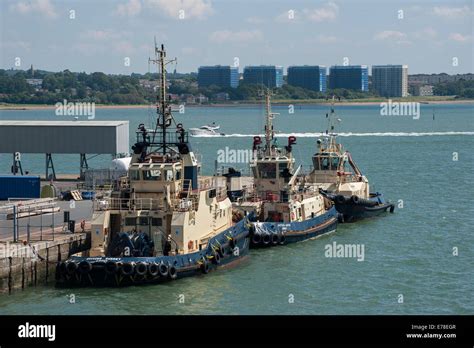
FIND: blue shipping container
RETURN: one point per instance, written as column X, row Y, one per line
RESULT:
column 17, row 186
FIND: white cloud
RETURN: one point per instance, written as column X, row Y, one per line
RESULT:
column 328, row 12
column 451, row 12
column 43, row 7
column 244, row 36
column 389, row 35
column 459, row 37
column 199, row 9
column 99, row 35
column 427, row 33
column 392, row 36
column 130, row 8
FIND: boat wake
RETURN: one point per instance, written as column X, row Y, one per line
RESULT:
column 349, row 134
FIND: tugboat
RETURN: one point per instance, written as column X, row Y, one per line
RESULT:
column 283, row 211
column 340, row 180
column 165, row 221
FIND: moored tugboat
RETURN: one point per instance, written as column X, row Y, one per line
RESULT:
column 165, row 221
column 283, row 211
column 340, row 180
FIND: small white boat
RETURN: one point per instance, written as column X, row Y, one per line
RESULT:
column 205, row 130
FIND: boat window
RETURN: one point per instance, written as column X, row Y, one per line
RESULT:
column 134, row 175
column 143, row 221
column 335, row 162
column 324, row 163
column 156, row 222
column 130, row 221
column 267, row 170
column 151, row 174
column 283, row 170
column 169, row 175
column 178, row 174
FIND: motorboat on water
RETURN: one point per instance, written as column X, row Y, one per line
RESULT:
column 283, row 211
column 211, row 129
column 339, row 178
column 165, row 221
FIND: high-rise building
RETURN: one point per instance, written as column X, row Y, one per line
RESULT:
column 390, row 80
column 354, row 77
column 309, row 77
column 268, row 75
column 218, row 75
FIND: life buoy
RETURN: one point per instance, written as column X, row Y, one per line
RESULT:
column 190, row 245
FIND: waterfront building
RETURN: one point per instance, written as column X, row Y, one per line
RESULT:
column 218, row 75
column 268, row 75
column 355, row 77
column 390, row 80
column 308, row 77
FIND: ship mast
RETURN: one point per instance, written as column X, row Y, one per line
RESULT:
column 330, row 131
column 269, row 116
column 163, row 109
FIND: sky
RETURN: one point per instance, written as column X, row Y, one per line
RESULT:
column 116, row 36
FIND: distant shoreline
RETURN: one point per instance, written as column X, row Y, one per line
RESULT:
column 25, row 107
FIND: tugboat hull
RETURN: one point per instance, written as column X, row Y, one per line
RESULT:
column 355, row 208
column 267, row 234
column 224, row 250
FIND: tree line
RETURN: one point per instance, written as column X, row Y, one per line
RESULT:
column 126, row 89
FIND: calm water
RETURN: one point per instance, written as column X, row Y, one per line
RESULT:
column 409, row 252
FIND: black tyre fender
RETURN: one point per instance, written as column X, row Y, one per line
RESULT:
column 128, row 268
column 256, row 238
column 71, row 267
column 340, row 199
column 173, row 272
column 282, row 239
column 153, row 269
column 204, row 266
column 266, row 239
column 84, row 266
column 141, row 268
column 355, row 199
column 62, row 267
column 163, row 269
column 275, row 238
column 217, row 258
column 111, row 267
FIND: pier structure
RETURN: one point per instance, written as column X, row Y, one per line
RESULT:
column 34, row 236
column 62, row 137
